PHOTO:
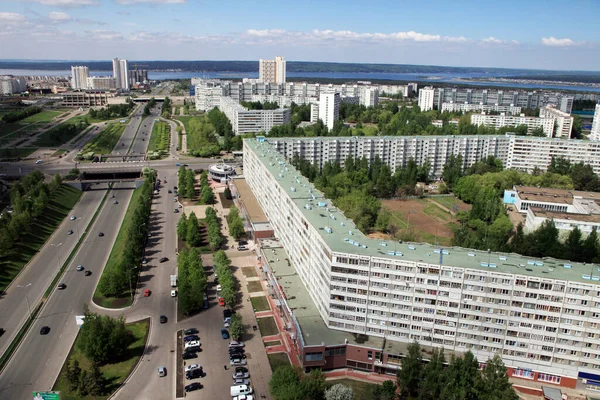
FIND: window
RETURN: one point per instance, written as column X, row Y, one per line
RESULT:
column 369, row 355
column 549, row 378
column 316, row 356
column 336, row 351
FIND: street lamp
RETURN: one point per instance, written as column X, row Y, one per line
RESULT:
column 57, row 255
column 130, row 288
column 26, row 297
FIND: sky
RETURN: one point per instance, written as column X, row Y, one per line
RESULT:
column 536, row 34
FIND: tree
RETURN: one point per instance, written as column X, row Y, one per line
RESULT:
column 573, row 247
column 284, row 383
column 313, row 384
column 192, row 236
column 494, row 383
column 339, row 392
column 452, row 170
column 434, row 379
column 73, row 373
column 227, row 194
column 95, row 380
column 182, row 227
column 236, row 327
column 83, row 387
column 102, row 337
column 412, row 371
column 590, row 247
column 462, row 378
column 385, row 391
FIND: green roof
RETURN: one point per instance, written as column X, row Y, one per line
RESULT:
column 342, row 236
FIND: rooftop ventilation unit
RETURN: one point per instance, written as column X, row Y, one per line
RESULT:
column 321, row 204
column 384, row 244
column 293, row 189
column 308, row 207
column 412, row 247
column 395, row 253
column 471, row 254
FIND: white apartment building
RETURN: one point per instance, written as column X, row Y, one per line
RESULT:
column 12, row 84
column 101, row 83
column 595, row 132
column 519, row 98
column 272, row 71
column 406, row 90
column 466, row 107
column 252, row 121
column 563, row 122
column 523, row 153
column 329, row 108
column 502, row 120
column 540, row 315
column 283, row 94
column 314, row 112
column 121, row 73
column 79, row 77
column 426, row 97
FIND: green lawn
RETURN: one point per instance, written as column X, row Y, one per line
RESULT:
column 17, row 152
column 60, row 204
column 115, row 373
column 278, row 360
column 434, row 211
column 272, row 343
column 158, row 147
column 362, row 390
column 254, row 286
column 115, row 256
column 44, row 116
column 106, row 140
column 450, row 201
column 267, row 326
column 54, row 137
column 249, row 272
column 260, row 303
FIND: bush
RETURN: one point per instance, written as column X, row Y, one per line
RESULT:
column 21, row 114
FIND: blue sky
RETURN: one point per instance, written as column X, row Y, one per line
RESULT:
column 547, row 34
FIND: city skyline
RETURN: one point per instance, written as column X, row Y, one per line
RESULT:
column 533, row 35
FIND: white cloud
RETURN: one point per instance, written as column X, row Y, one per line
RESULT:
column 552, row 41
column 493, row 40
column 11, row 18
column 104, row 35
column 128, row 2
column 64, row 3
column 58, row 16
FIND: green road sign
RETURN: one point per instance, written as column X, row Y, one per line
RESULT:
column 46, row 395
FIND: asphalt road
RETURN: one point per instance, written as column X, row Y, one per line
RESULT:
column 37, row 362
column 143, row 136
column 128, row 134
column 42, row 269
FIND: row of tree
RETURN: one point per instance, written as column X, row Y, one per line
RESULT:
column 190, row 230
column 236, row 224
column 85, row 382
column 226, row 279
column 257, row 105
column 457, row 379
column 215, row 238
column 117, row 276
column 112, row 111
column 206, row 194
column 202, row 137
column 18, row 115
column 186, row 183
column 151, row 103
column 65, row 132
column 166, row 107
column 192, row 282
column 29, row 198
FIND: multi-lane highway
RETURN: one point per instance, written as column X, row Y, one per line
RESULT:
column 30, row 285
column 38, row 360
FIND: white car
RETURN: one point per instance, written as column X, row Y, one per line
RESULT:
column 218, row 288
column 241, row 381
column 237, row 361
column 191, row 367
column 173, row 293
column 243, row 397
column 73, row 218
column 193, row 343
column 227, row 324
column 235, row 343
column 241, row 375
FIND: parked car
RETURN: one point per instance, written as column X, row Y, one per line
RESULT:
column 237, row 361
column 242, row 248
column 116, row 202
column 190, row 331
column 45, row 330
column 233, row 350
column 193, row 386
column 233, row 356
column 243, row 397
column 235, row 343
column 163, row 319
column 164, row 259
column 191, row 338
column 241, row 369
column 101, row 234
column 197, row 373
column 241, row 381
column 227, row 313
column 191, row 367
column 221, row 302
column 87, row 273
column 188, row 355
column 162, row 371
column 174, row 293
column 147, row 293
column 176, row 211
column 227, row 324
column 192, row 343
column 241, row 375
column 224, row 333
column 73, row 218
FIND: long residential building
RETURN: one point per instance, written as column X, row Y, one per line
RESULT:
column 563, row 122
column 12, row 84
column 523, row 153
column 252, row 121
column 503, row 120
column 541, row 315
column 595, row 132
column 466, row 107
column 101, row 83
column 491, row 97
column 207, row 90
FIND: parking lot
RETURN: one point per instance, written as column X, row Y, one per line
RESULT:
column 214, row 356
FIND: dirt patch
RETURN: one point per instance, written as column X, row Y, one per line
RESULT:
column 226, row 203
column 379, row 236
column 254, row 286
column 419, row 220
column 249, row 272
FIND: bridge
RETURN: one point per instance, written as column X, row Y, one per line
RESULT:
column 96, row 176
column 147, row 99
column 122, row 157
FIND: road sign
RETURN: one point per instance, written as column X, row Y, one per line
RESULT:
column 46, row 395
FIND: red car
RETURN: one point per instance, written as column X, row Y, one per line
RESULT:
column 147, row 293
column 221, row 302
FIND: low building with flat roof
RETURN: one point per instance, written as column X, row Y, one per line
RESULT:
column 255, row 220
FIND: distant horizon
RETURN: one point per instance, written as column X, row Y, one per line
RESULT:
column 36, row 60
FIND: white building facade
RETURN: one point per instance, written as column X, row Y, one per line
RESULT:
column 101, row 83
column 12, row 84
column 426, row 98
column 272, row 71
column 121, row 73
column 466, row 107
column 542, row 318
column 79, row 75
column 503, row 120
column 329, row 108
column 245, row 121
column 595, row 132
column 563, row 122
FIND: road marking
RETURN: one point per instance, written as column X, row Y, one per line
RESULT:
column 48, row 362
column 60, row 336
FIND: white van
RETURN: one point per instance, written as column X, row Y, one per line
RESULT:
column 162, row 371
column 237, row 390
column 39, row 161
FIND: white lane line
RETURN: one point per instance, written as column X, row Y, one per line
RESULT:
column 48, row 362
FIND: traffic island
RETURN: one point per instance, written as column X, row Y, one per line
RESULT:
column 113, row 374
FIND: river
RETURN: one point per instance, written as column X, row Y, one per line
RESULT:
column 447, row 78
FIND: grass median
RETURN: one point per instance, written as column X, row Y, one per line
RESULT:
column 114, row 373
column 115, row 257
column 158, row 146
column 105, row 141
column 61, row 202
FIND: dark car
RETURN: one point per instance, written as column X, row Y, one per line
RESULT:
column 242, row 243
column 227, row 313
column 61, row 286
column 193, row 386
column 237, row 355
column 164, row 259
column 188, row 355
column 101, row 234
column 190, row 338
column 238, row 350
column 45, row 330
column 163, row 319
column 116, row 202
column 88, row 272
column 241, row 369
column 80, row 268
column 169, row 191
column 224, row 333
column 190, row 331
column 193, row 374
